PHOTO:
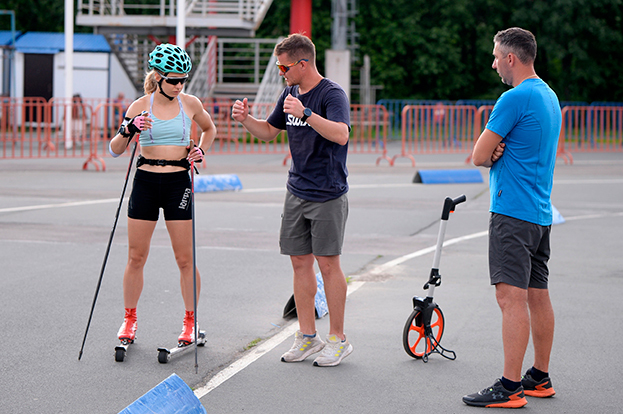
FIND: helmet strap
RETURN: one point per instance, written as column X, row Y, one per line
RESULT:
column 170, row 98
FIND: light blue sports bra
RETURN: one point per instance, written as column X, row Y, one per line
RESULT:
column 174, row 131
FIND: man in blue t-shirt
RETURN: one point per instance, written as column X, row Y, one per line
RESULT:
column 519, row 144
column 315, row 112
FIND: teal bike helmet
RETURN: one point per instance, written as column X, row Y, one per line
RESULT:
column 167, row 58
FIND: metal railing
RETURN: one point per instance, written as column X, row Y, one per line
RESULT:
column 243, row 60
column 160, row 12
column 272, row 83
column 35, row 128
column 204, row 75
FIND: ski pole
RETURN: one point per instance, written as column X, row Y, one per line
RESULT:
column 112, row 233
column 192, row 206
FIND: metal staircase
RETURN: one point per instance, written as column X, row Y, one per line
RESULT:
column 158, row 17
column 228, row 67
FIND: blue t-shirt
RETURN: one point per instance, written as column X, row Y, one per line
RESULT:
column 528, row 118
column 318, row 169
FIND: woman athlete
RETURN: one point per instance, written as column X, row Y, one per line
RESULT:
column 163, row 117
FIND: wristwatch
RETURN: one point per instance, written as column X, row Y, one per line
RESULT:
column 306, row 114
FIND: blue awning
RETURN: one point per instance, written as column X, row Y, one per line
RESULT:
column 51, row 43
column 6, row 37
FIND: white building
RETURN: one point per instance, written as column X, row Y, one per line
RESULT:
column 40, row 66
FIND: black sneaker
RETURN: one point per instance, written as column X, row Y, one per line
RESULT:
column 533, row 388
column 497, row 396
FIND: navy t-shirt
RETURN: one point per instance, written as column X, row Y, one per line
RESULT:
column 318, row 170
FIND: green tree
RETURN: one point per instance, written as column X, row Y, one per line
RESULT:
column 430, row 50
column 34, row 15
column 277, row 23
column 580, row 46
column 441, row 49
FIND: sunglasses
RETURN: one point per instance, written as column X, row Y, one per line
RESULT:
column 174, row 81
column 286, row 68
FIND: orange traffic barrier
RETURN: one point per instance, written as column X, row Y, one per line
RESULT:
column 482, row 116
column 35, row 128
column 435, row 129
column 369, row 127
column 591, row 129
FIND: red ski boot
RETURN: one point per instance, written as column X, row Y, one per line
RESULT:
column 187, row 336
column 128, row 328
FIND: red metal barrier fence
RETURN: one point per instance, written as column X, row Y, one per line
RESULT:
column 592, row 129
column 369, row 127
column 453, row 129
column 34, row 128
column 428, row 129
column 482, row 116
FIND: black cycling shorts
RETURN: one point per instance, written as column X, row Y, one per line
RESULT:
column 152, row 191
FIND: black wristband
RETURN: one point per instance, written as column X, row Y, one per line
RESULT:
column 123, row 129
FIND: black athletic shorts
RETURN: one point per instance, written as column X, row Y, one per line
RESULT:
column 518, row 252
column 152, row 191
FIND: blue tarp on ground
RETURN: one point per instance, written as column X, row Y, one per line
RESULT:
column 448, row 176
column 171, row 396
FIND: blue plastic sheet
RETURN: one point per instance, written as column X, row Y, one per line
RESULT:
column 557, row 218
column 448, row 176
column 321, row 299
column 218, row 182
column 171, row 396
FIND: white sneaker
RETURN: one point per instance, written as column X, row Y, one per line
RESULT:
column 334, row 352
column 303, row 347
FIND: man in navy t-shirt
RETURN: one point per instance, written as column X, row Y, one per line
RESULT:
column 315, row 112
column 519, row 145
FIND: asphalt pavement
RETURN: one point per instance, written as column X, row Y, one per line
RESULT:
column 56, row 219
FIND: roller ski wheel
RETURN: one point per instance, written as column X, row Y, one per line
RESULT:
column 415, row 340
column 165, row 354
column 122, row 349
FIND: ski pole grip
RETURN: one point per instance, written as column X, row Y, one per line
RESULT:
column 449, row 205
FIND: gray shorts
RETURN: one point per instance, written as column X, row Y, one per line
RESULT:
column 518, row 252
column 312, row 227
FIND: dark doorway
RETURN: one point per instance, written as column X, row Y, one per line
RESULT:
column 38, row 80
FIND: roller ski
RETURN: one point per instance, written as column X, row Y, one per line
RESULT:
column 127, row 334
column 424, row 327
column 184, row 341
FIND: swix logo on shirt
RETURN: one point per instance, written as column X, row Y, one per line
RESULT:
column 291, row 120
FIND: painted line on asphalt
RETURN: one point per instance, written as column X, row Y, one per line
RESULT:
column 352, row 187
column 258, row 351
column 590, row 181
column 110, row 200
column 276, row 189
column 46, row 206
column 264, row 347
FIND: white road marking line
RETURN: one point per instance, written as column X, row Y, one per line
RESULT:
column 70, row 204
column 265, row 347
column 260, row 350
column 277, row 189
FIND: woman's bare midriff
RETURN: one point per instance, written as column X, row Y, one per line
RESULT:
column 163, row 152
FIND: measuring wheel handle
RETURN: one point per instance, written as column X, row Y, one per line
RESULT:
column 449, row 205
